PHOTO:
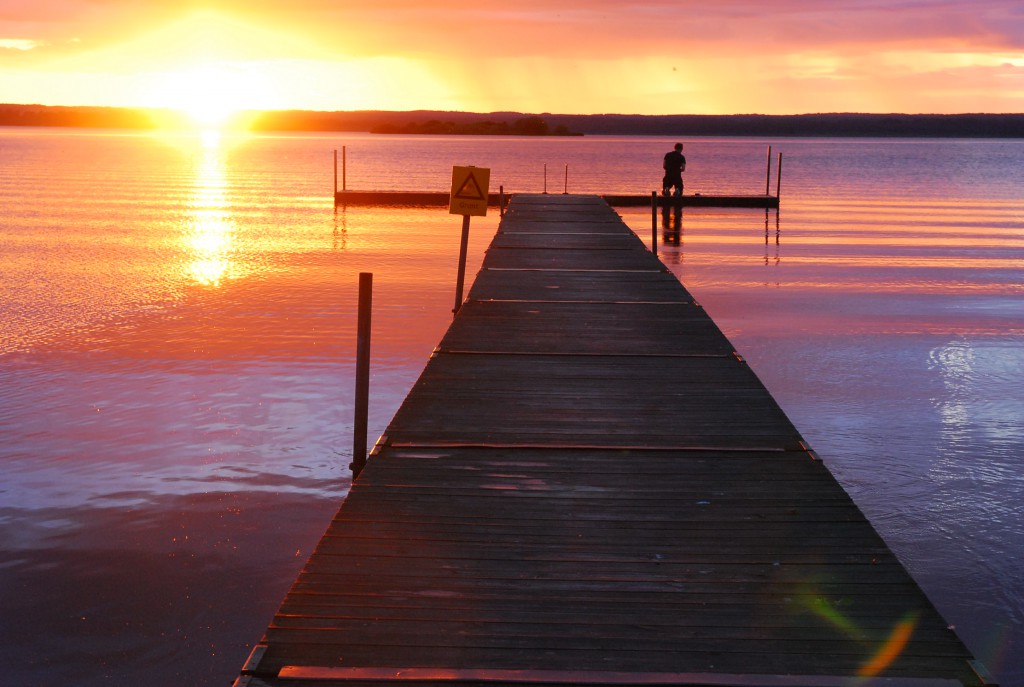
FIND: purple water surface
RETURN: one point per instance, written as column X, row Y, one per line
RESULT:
column 178, row 336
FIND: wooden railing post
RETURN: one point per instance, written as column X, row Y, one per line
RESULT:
column 362, row 395
column 654, row 222
column 778, row 182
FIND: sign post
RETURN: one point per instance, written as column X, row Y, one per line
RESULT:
column 468, row 198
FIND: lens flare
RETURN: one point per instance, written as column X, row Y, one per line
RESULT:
column 892, row 648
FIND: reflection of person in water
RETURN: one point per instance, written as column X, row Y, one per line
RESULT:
column 674, row 164
column 672, row 223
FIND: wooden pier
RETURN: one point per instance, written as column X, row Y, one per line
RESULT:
column 766, row 201
column 439, row 199
column 588, row 486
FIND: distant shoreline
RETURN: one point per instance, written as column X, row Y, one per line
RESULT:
column 828, row 125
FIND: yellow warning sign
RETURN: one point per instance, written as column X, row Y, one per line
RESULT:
column 469, row 191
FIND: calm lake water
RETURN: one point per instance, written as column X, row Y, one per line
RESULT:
column 178, row 334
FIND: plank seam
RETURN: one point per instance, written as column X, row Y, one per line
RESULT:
column 569, row 269
column 688, row 303
column 592, row 447
column 582, row 354
column 412, row 674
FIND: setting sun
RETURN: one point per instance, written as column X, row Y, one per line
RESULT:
column 208, row 66
column 211, row 95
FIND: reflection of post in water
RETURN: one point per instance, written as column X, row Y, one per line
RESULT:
column 778, row 235
column 340, row 228
column 672, row 223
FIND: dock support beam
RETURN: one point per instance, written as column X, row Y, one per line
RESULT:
column 362, row 398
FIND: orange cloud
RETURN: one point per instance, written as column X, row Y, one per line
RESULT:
column 578, row 56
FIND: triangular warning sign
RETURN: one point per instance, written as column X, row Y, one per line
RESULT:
column 470, row 189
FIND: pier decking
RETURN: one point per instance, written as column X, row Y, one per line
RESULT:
column 587, row 485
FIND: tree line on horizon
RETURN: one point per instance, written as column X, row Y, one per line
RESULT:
column 830, row 125
column 523, row 126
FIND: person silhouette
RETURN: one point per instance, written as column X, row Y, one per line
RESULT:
column 674, row 165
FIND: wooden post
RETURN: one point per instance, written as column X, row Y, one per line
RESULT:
column 654, row 222
column 344, row 169
column 565, row 190
column 362, row 399
column 335, row 174
column 545, row 178
column 768, row 173
column 501, row 201
column 778, row 182
column 461, row 278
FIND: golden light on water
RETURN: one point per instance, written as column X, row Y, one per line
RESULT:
column 210, row 235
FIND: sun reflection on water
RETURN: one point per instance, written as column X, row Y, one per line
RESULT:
column 210, row 234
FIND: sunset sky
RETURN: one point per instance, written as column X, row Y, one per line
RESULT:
column 573, row 56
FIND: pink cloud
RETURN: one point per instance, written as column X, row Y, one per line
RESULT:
column 835, row 53
column 583, row 28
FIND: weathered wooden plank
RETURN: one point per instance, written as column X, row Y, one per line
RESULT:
column 556, row 258
column 575, row 636
column 604, row 226
column 566, row 241
column 635, row 329
column 498, row 676
column 654, row 642
column 686, row 657
column 532, row 400
column 569, row 285
column 619, row 555
column 598, row 464
column 714, row 613
column 430, row 482
column 566, row 593
column 683, row 659
column 707, row 609
column 682, row 538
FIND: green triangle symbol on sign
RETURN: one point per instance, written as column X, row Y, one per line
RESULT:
column 470, row 189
